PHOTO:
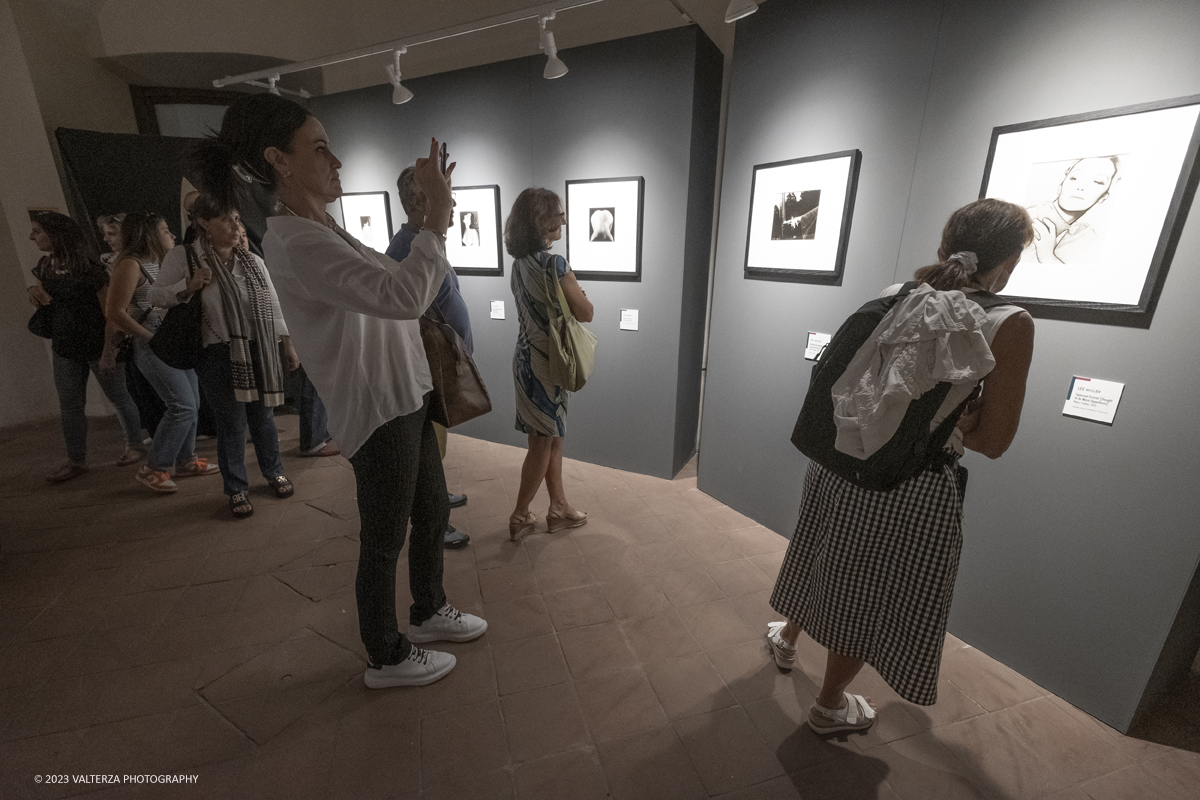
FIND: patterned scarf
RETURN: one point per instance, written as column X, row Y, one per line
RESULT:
column 256, row 371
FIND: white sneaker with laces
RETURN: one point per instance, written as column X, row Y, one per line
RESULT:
column 447, row 625
column 422, row 667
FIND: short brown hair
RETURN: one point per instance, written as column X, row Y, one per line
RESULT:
column 993, row 230
column 534, row 215
column 410, row 193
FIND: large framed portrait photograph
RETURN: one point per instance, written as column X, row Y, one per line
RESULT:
column 1108, row 192
column 800, row 213
column 367, row 217
column 473, row 241
column 604, row 228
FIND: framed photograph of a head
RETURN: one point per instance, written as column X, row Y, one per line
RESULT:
column 800, row 213
column 1108, row 193
column 604, row 228
column 473, row 243
column 367, row 217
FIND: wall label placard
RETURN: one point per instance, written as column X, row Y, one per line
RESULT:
column 497, row 309
column 1093, row 399
column 815, row 344
column 629, row 319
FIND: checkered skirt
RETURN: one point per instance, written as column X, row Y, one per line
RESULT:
column 870, row 575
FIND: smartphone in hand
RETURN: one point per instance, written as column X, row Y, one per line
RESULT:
column 444, row 157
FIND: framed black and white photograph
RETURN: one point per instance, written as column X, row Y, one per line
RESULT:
column 800, row 212
column 604, row 228
column 367, row 217
column 473, row 244
column 1108, row 192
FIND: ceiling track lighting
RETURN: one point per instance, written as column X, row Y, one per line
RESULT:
column 739, row 9
column 400, row 94
column 543, row 13
column 555, row 68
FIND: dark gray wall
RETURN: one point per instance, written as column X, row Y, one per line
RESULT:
column 1080, row 542
column 624, row 109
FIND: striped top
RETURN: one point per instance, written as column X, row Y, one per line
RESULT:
column 140, row 305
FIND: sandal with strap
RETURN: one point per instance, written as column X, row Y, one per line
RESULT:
column 131, row 456
column 855, row 715
column 784, row 654
column 561, row 521
column 520, row 527
column 200, row 466
column 239, row 504
column 282, row 486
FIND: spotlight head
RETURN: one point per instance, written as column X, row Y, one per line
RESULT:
column 739, row 9
column 555, row 68
column 400, row 94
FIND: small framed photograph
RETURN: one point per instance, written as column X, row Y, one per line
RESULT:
column 367, row 217
column 604, row 228
column 1108, row 192
column 800, row 213
column 473, row 244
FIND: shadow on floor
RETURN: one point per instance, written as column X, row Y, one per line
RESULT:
column 1174, row 720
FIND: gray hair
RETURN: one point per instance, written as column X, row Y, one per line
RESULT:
column 411, row 196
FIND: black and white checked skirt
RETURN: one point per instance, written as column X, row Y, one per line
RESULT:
column 870, row 575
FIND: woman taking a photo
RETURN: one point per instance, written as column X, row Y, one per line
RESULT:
column 241, row 369
column 73, row 282
column 535, row 222
column 870, row 574
column 129, row 309
column 354, row 314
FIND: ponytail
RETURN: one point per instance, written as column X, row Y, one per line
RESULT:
column 977, row 238
column 224, row 166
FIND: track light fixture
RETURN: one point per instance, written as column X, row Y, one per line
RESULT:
column 400, row 94
column 740, row 8
column 272, row 79
column 555, row 68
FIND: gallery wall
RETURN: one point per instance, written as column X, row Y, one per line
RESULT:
column 1080, row 542
column 626, row 108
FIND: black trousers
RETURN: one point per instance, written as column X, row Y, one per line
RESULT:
column 398, row 472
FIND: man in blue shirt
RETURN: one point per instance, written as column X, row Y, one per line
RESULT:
column 449, row 304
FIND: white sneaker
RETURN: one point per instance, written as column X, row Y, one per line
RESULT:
column 447, row 625
column 421, row 668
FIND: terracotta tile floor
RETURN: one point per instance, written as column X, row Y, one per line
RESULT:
column 146, row 634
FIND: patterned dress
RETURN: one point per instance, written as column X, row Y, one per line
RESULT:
column 541, row 404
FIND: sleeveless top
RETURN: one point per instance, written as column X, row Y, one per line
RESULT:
column 140, row 305
column 995, row 318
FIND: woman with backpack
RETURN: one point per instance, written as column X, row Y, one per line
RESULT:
column 870, row 574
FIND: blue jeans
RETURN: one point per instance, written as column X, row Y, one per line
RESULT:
column 175, row 438
column 313, row 420
column 71, row 380
column 232, row 417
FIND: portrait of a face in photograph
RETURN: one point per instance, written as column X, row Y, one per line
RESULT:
column 1070, row 227
column 796, row 215
column 600, row 224
column 469, row 228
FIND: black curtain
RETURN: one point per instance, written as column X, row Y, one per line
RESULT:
column 113, row 172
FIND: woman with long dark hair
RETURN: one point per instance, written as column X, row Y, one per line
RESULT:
column 241, row 368
column 536, row 222
column 74, row 282
column 870, row 574
column 353, row 313
column 147, row 240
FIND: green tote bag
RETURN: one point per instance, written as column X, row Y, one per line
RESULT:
column 572, row 346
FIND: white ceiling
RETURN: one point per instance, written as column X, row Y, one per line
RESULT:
column 188, row 44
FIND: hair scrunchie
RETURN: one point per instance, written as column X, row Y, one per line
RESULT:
column 969, row 260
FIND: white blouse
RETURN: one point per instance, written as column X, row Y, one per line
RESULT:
column 353, row 315
column 172, row 279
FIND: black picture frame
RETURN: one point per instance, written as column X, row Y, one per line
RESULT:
column 387, row 214
column 831, row 277
column 1141, row 314
column 598, row 275
column 498, row 270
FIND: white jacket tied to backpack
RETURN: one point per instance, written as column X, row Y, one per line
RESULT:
column 928, row 337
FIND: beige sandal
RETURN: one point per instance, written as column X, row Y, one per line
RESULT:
column 856, row 715
column 520, row 527
column 563, row 521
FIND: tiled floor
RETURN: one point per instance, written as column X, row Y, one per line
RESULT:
column 155, row 635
